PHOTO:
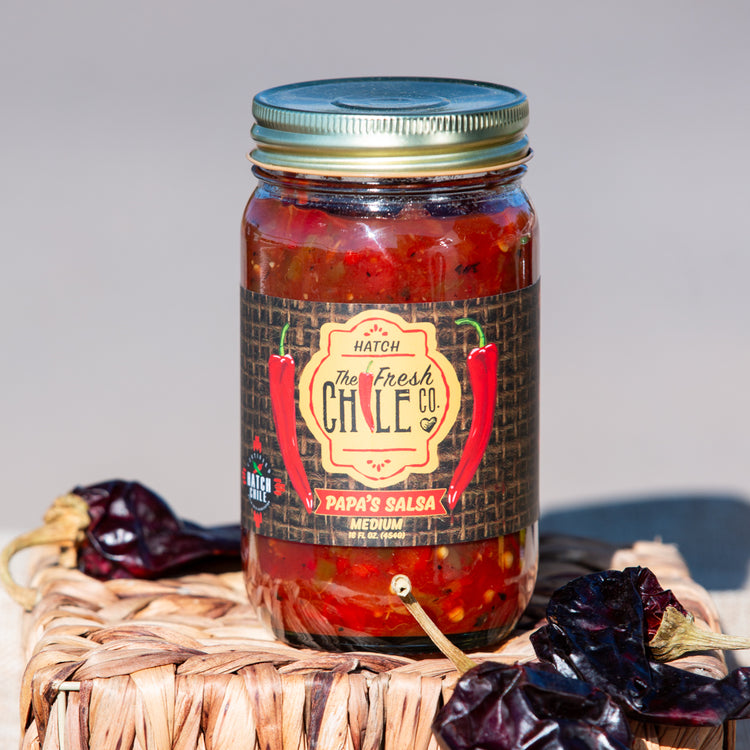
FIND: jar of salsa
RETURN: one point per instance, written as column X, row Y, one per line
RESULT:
column 389, row 324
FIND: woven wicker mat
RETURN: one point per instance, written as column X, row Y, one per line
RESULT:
column 183, row 663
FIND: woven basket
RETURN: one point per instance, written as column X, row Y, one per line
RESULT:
column 183, row 663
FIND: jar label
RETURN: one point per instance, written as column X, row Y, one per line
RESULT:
column 402, row 424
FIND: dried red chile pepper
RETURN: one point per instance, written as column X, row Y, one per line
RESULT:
column 283, row 405
column 134, row 534
column 120, row 529
column 597, row 666
column 598, row 631
column 531, row 706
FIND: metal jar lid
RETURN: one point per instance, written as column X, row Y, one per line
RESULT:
column 387, row 127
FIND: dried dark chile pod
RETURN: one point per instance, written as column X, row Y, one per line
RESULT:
column 598, row 631
column 531, row 706
column 654, row 598
column 121, row 529
column 133, row 533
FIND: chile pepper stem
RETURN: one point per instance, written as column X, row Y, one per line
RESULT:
column 470, row 321
column 283, row 336
column 64, row 525
column 401, row 586
column 369, row 365
column 679, row 635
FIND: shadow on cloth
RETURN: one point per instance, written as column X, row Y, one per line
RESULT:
column 712, row 532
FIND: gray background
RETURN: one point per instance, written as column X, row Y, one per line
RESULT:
column 123, row 179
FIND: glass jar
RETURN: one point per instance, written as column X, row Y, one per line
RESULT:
column 389, row 363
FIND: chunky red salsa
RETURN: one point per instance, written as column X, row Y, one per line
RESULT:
column 438, row 240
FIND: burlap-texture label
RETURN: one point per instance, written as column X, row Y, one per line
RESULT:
column 394, row 425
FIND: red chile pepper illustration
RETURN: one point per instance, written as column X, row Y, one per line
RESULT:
column 482, row 366
column 365, row 396
column 281, row 377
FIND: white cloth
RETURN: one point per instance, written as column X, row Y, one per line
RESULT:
column 11, row 655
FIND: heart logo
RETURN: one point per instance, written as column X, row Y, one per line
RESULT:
column 428, row 424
